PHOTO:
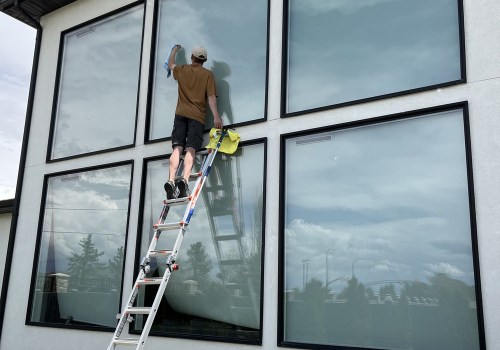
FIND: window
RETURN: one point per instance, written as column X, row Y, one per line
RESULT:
column 98, row 80
column 235, row 35
column 216, row 294
column 379, row 246
column 341, row 51
column 80, row 256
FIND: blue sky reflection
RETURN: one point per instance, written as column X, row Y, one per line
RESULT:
column 341, row 51
column 395, row 193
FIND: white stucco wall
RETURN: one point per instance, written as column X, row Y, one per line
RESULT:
column 482, row 91
column 5, row 220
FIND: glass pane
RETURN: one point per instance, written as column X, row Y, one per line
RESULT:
column 368, row 48
column 80, row 264
column 237, row 57
column 216, row 292
column 378, row 253
column 97, row 97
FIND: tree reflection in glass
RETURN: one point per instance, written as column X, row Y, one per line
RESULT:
column 216, row 292
column 80, row 257
column 391, row 215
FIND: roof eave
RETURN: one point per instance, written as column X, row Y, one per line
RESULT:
column 31, row 8
column 6, row 206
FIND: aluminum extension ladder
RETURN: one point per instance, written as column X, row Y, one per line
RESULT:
column 142, row 278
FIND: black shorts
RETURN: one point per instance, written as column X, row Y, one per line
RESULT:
column 187, row 132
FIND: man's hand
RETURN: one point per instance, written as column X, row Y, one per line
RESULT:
column 171, row 59
column 218, row 123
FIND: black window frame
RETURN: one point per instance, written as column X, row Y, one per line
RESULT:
column 55, row 100
column 138, row 257
column 281, row 342
column 36, row 255
column 284, row 71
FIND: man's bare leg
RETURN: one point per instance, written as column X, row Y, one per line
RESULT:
column 183, row 185
column 188, row 162
column 173, row 163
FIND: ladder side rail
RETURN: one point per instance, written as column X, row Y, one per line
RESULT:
column 173, row 256
column 161, row 290
column 152, row 246
column 192, row 203
column 124, row 316
column 191, row 206
column 135, row 289
column 146, row 259
column 200, row 182
column 208, row 159
column 211, row 155
column 189, row 210
column 199, row 186
column 205, row 170
column 163, row 214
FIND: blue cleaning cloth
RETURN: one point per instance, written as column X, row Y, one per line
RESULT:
column 165, row 65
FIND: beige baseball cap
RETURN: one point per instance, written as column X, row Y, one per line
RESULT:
column 200, row 52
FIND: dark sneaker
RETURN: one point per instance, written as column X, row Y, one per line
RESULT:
column 169, row 189
column 183, row 188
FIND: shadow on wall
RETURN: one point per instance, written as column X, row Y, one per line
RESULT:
column 222, row 71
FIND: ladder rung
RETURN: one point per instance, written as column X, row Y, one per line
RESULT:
column 231, row 262
column 138, row 310
column 227, row 237
column 148, row 281
column 126, row 341
column 177, row 201
column 169, row 226
column 192, row 177
column 159, row 252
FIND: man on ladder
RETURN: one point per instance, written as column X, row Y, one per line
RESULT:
column 130, row 308
column 196, row 86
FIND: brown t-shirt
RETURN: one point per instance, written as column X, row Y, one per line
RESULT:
column 195, row 85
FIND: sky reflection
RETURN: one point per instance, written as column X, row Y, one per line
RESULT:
column 98, row 87
column 243, row 196
column 87, row 207
column 394, row 193
column 236, row 48
column 341, row 51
